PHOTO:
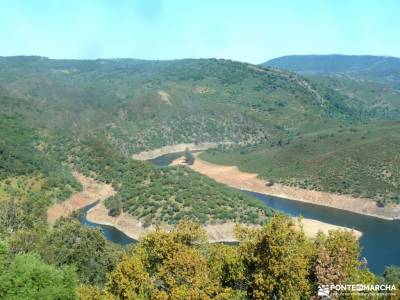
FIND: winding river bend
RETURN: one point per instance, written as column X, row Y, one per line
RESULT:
column 380, row 241
column 111, row 233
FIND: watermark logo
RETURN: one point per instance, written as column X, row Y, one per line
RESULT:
column 326, row 291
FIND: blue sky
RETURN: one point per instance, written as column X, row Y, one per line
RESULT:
column 252, row 30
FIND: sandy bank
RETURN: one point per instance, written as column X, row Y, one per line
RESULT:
column 124, row 222
column 233, row 177
column 312, row 227
column 92, row 192
column 216, row 232
column 145, row 155
column 135, row 229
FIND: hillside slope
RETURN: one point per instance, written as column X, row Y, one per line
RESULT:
column 372, row 83
column 90, row 116
column 141, row 105
column 376, row 68
column 378, row 100
column 361, row 161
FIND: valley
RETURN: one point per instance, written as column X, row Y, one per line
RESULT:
column 76, row 137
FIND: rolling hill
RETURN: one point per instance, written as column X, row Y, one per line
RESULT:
column 60, row 116
column 90, row 116
column 362, row 161
column 142, row 105
column 371, row 82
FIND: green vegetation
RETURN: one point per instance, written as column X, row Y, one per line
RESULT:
column 371, row 83
column 69, row 261
column 362, row 161
column 163, row 194
column 142, row 105
column 90, row 116
column 379, row 100
column 391, row 275
column 57, row 115
column 274, row 262
column 189, row 158
column 26, row 276
column 68, row 243
column 382, row 69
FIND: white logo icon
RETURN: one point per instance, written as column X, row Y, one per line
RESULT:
column 323, row 291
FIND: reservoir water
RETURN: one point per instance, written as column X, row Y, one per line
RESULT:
column 111, row 233
column 380, row 241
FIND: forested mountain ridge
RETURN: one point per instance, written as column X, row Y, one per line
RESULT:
column 379, row 68
column 78, row 109
column 142, row 105
column 372, row 82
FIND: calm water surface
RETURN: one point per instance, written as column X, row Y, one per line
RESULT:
column 380, row 241
column 111, row 233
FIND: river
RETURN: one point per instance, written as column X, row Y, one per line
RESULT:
column 111, row 233
column 380, row 241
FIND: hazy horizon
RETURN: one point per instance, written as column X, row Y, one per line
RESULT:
column 167, row 30
column 189, row 58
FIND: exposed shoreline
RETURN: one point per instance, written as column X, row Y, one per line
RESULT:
column 151, row 154
column 233, row 177
column 135, row 228
column 311, row 227
column 92, row 192
column 215, row 232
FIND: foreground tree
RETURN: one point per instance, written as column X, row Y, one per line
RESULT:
column 337, row 261
column 28, row 277
column 130, row 280
column 277, row 260
column 169, row 266
column 70, row 243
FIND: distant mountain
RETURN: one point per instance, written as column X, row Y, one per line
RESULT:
column 384, row 69
column 373, row 82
